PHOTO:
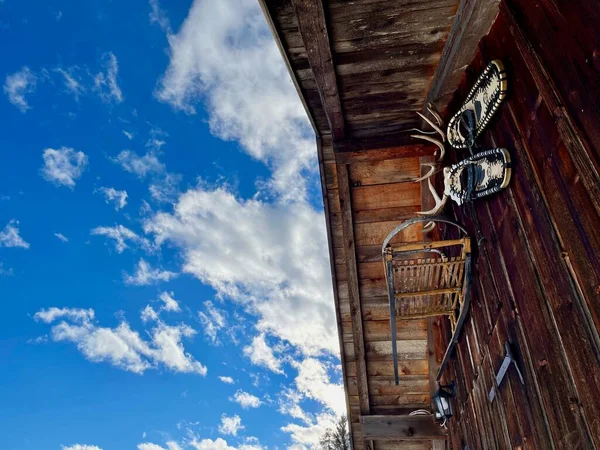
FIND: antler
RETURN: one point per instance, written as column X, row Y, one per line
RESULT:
column 423, row 134
column 439, row 202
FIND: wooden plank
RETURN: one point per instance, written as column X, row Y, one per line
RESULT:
column 382, row 350
column 386, row 196
column 376, row 148
column 392, row 428
column 313, row 27
column 379, row 330
column 320, row 141
column 386, row 171
column 385, row 368
column 387, row 385
column 472, row 21
column 358, row 347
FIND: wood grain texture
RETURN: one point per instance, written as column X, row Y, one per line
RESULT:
column 358, row 350
column 537, row 282
column 472, row 21
column 393, row 428
column 313, row 28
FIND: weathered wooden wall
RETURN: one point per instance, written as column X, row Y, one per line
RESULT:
column 382, row 194
column 538, row 266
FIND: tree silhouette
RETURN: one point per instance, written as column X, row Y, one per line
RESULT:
column 336, row 438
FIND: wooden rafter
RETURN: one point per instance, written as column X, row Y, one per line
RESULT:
column 394, row 428
column 353, row 291
column 472, row 21
column 313, row 28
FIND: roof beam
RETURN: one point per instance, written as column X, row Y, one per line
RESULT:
column 394, row 428
column 472, row 21
column 313, row 28
column 353, row 292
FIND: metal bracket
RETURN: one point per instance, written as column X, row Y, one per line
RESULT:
column 508, row 360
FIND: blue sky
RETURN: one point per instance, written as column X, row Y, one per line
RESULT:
column 163, row 257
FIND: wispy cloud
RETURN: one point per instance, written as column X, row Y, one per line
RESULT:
column 119, row 198
column 170, row 445
column 121, row 235
column 169, row 303
column 105, row 83
column 61, row 237
column 81, row 447
column 145, row 275
column 72, row 81
column 212, row 320
column 63, row 166
column 244, row 249
column 262, row 355
column 121, row 346
column 230, row 425
column 10, row 237
column 226, row 380
column 246, row 400
column 139, row 165
column 213, row 58
column 18, row 85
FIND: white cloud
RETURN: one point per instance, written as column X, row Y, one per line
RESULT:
column 72, row 81
column 121, row 346
column 119, row 198
column 105, row 83
column 289, row 404
column 81, row 447
column 213, row 58
column 9, row 236
column 139, row 165
column 6, row 271
column 314, row 383
column 271, row 258
column 170, row 304
column 171, row 445
column 213, row 321
column 63, row 166
column 148, row 313
column 145, row 275
column 75, row 314
column 246, row 400
column 165, row 187
column 158, row 16
column 310, row 435
column 230, row 425
column 226, row 380
column 61, row 237
column 18, row 85
column 128, row 134
column 121, row 235
column 220, row 444
column 262, row 355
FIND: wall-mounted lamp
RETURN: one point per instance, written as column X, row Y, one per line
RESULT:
column 441, row 402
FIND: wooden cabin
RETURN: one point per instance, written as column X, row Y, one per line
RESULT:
column 362, row 68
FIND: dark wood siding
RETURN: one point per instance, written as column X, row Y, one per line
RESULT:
column 538, row 271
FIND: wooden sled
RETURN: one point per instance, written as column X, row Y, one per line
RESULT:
column 426, row 279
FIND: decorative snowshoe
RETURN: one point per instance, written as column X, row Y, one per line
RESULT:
column 482, row 102
column 489, row 172
column 480, row 175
